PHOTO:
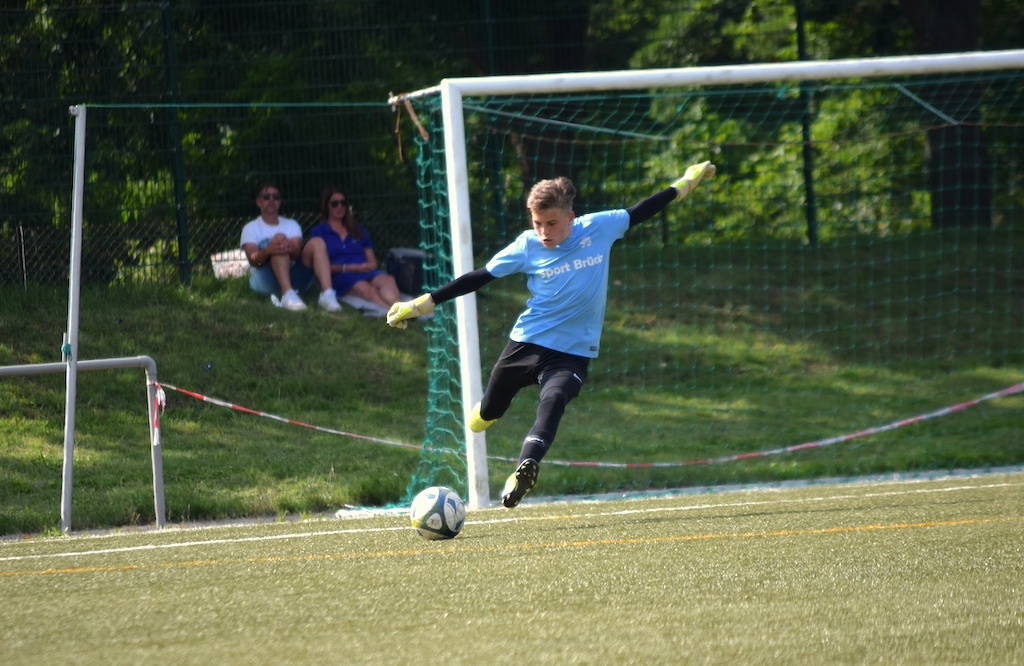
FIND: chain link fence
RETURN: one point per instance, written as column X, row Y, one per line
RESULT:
column 156, row 209
column 192, row 104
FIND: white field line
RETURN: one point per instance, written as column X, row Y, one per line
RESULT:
column 575, row 514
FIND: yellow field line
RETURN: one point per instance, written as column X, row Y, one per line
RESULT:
column 564, row 544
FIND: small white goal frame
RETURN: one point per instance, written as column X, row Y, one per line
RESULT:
column 70, row 365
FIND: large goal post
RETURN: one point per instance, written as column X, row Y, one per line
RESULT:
column 907, row 154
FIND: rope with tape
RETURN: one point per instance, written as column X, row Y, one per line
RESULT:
column 821, row 443
column 239, row 408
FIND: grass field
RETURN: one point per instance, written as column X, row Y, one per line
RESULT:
column 727, row 356
column 910, row 572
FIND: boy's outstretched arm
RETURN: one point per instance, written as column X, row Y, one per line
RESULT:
column 654, row 204
column 422, row 305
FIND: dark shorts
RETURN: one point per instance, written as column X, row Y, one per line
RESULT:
column 522, row 364
column 263, row 281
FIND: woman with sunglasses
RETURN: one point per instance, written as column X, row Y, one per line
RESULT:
column 354, row 270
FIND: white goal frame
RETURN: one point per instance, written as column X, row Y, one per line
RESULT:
column 71, row 364
column 452, row 92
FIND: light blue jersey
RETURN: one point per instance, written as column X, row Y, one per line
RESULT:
column 568, row 283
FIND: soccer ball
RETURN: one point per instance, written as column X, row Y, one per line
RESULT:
column 437, row 513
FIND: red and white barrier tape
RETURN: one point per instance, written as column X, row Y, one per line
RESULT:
column 1011, row 390
column 1017, row 388
column 239, row 408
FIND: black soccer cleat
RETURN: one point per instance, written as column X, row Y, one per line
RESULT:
column 520, row 483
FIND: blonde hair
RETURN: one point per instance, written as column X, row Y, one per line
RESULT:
column 552, row 194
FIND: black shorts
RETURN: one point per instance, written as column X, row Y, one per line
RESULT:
column 522, row 364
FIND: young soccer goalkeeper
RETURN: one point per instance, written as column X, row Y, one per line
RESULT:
column 565, row 259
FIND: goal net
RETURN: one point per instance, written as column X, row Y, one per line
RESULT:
column 855, row 264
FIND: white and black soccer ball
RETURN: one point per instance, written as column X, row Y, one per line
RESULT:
column 437, row 513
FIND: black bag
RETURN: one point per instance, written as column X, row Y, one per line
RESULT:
column 406, row 265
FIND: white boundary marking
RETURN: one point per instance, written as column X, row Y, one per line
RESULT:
column 695, row 507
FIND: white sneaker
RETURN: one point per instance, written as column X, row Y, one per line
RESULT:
column 291, row 301
column 329, row 301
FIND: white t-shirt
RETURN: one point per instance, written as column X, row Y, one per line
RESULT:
column 568, row 283
column 259, row 232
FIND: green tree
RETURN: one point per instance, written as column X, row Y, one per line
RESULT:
column 52, row 55
column 709, row 32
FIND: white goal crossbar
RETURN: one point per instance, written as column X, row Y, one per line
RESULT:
column 452, row 92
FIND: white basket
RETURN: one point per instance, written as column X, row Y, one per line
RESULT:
column 230, row 264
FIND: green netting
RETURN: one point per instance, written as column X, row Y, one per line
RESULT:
column 800, row 296
column 170, row 185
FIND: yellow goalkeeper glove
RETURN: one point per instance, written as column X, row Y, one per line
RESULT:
column 692, row 178
column 403, row 310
